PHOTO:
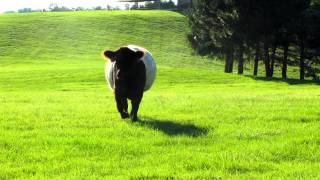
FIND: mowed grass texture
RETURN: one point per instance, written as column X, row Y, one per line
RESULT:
column 58, row 118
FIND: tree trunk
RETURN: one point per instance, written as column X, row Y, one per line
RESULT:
column 285, row 61
column 302, row 48
column 267, row 58
column 302, row 55
column 273, row 57
column 240, row 59
column 229, row 60
column 256, row 60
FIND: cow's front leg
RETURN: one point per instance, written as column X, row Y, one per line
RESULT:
column 122, row 106
column 135, row 102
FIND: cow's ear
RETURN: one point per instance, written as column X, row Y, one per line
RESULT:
column 110, row 55
column 139, row 54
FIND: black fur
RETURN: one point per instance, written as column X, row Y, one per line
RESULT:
column 129, row 76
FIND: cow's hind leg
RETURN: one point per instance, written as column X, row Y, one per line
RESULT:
column 135, row 102
column 122, row 106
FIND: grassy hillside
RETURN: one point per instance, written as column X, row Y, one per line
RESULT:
column 59, row 120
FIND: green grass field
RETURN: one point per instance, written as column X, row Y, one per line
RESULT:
column 58, row 118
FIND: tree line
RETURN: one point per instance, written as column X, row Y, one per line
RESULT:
column 56, row 8
column 277, row 32
column 144, row 5
column 148, row 5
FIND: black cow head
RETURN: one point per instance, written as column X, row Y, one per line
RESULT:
column 124, row 57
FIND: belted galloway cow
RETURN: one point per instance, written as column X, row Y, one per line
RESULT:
column 130, row 71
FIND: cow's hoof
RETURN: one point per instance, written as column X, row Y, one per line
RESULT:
column 134, row 118
column 125, row 115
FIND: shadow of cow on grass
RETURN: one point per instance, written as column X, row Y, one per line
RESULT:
column 172, row 128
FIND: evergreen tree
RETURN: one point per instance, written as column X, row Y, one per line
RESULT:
column 212, row 26
column 279, row 32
